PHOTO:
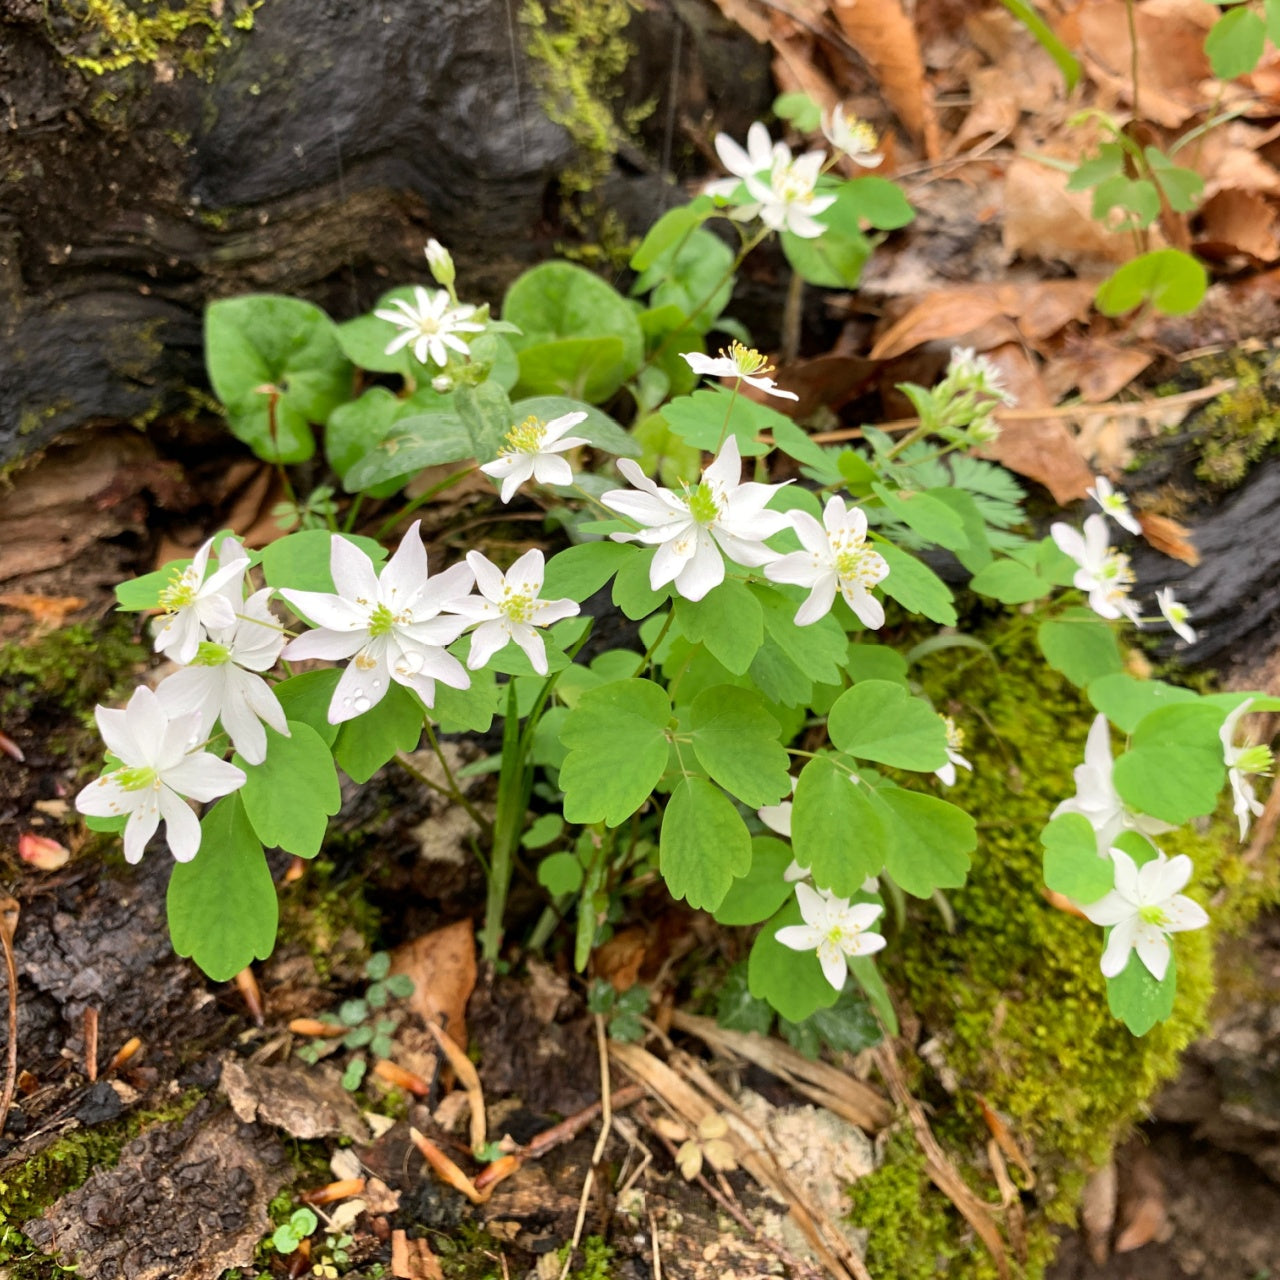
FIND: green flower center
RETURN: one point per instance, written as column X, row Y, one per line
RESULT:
column 137, row 778
column 211, row 655
column 517, row 605
column 747, row 360
column 703, row 506
column 1115, row 569
column 955, row 735
column 1154, row 915
column 381, row 620
column 181, row 591
column 1254, row 760
column 527, row 436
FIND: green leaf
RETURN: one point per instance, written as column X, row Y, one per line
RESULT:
column 290, row 796
column 1009, row 582
column 1137, row 999
column 1235, row 42
column 579, row 572
column 590, row 369
column 410, row 445
column 617, row 740
column 758, row 894
column 542, row 831
column 1079, row 645
column 1182, row 188
column 728, row 620
column 1071, row 862
column 357, row 428
column 1271, row 11
column 705, row 419
column 833, row 260
column 631, row 590
column 875, row 662
column 1136, row 196
column 878, row 720
column 695, row 275
column 1174, row 767
column 819, row 463
column 1124, row 700
column 263, row 340
column 976, row 553
column 878, row 201
column 1109, row 160
column 791, row 981
column 800, row 109
column 818, row 649
column 736, row 1008
column 736, row 742
column 222, row 904
column 669, row 230
column 599, row 429
column 469, row 710
column 835, row 831
column 366, row 743
column 1047, row 38
column 487, row 414
column 934, row 521
column 1173, row 281
column 915, row 586
column 867, row 975
column 704, row 845
column 665, row 455
column 929, row 840
column 301, row 561
column 560, row 873
column 850, row 1025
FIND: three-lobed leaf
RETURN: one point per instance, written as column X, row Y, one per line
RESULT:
column 736, row 741
column 879, row 720
column 704, row 845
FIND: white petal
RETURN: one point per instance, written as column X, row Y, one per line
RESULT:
column 142, row 825
column 486, row 640
column 868, row 610
column 835, row 968
column 531, row 642
column 527, row 574
column 703, row 572
column 104, row 797
column 1183, row 914
column 1153, row 949
column 547, row 612
column 334, row 613
column 1119, row 944
column 490, row 581
column 548, row 468
column 1110, row 909
column 406, row 572
column 121, row 741
column 181, row 826
column 814, row 906
column 819, row 601
column 324, row 643
column 800, row 569
column 352, row 572
column 202, row 776
column 1128, row 883
column 799, row 937
column 364, row 684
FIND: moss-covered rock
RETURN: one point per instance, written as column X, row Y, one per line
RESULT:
column 1013, row 995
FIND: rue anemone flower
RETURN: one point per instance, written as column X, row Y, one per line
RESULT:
column 531, row 452
column 393, row 625
column 741, row 362
column 1176, row 614
column 834, row 929
column 1114, row 504
column 193, row 604
column 1102, row 572
column 1241, row 762
column 431, row 327
column 160, row 764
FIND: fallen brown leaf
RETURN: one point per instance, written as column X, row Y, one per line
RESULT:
column 1043, row 220
column 1235, row 221
column 48, row 612
column 413, row 1259
column 618, row 961
column 442, row 965
column 1098, row 1211
column 886, row 39
column 1169, row 536
column 1097, row 368
column 1143, row 1215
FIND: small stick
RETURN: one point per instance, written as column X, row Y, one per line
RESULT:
column 248, row 988
column 569, row 1128
column 341, row 1190
column 9, row 911
column 466, row 1072
column 91, row 1043
column 125, row 1052
column 444, row 1168
column 606, row 1112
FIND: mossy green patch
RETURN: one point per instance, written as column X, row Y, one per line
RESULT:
column 330, row 918
column 64, row 1165
column 1236, row 429
column 68, row 669
column 1013, row 994
column 117, row 34
column 580, row 52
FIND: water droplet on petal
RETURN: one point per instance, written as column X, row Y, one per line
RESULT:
column 411, row 662
column 362, row 703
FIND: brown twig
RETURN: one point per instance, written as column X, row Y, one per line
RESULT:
column 91, row 1043
column 469, row 1078
column 9, row 911
column 606, row 1123
column 573, row 1125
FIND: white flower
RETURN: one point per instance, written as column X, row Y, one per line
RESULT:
column 1102, row 572
column 1096, row 797
column 833, row 927
column 1176, row 614
column 835, row 557
column 955, row 740
column 531, row 452
column 160, row 764
column 789, row 201
column 441, row 263
column 392, row 624
column 855, row 137
column 194, row 604
column 1113, row 504
column 432, row 327
column 1241, row 761
column 691, row 529
column 221, row 684
column 742, row 362
column 969, row 372
column 510, row 609
column 1143, row 909
column 757, row 158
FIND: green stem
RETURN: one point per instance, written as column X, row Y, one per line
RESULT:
column 447, row 483
column 728, row 414
column 349, row 523
column 453, row 790
column 657, row 640
column 514, row 782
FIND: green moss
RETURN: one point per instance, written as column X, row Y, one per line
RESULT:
column 70, row 668
column 469, row 1253
column 319, row 912
column 580, row 51
column 1014, row 995
column 64, row 1165
column 117, row 34
column 596, row 1256
column 1238, row 427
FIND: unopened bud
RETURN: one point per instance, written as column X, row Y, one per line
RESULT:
column 441, row 263
column 442, row 383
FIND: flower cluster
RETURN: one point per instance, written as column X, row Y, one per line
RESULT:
column 1105, row 573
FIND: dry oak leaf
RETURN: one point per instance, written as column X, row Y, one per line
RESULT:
column 886, row 39
column 1097, row 368
column 1168, row 536
column 1040, row 448
column 1043, row 220
column 1039, row 309
column 1234, row 221
column 442, row 965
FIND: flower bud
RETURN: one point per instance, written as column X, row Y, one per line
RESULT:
column 442, row 383
column 441, row 263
